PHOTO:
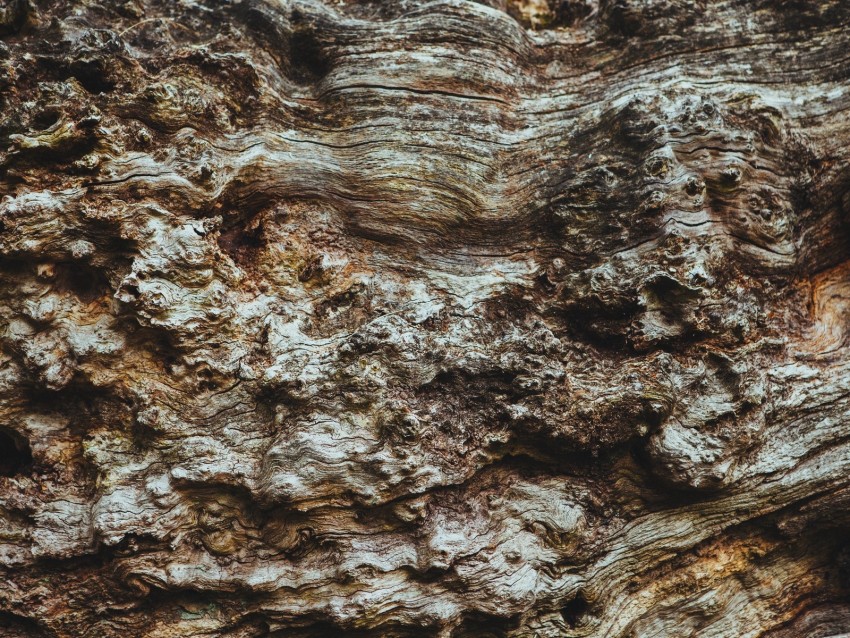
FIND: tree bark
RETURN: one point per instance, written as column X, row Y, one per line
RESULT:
column 510, row 318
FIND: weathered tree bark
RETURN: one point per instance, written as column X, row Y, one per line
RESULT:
column 360, row 318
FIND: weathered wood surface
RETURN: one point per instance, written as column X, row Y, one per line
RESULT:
column 425, row 319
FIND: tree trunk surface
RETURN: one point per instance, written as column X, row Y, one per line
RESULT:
column 347, row 318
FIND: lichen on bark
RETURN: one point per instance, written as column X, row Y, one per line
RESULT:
column 456, row 319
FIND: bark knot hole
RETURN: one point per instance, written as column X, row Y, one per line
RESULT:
column 15, row 453
column 575, row 610
column 309, row 62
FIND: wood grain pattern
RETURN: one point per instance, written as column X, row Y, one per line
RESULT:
column 516, row 318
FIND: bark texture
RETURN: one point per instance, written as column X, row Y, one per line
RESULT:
column 518, row 318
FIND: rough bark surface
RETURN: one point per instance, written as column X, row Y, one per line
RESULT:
column 452, row 319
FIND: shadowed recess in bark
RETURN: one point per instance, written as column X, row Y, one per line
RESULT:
column 15, row 453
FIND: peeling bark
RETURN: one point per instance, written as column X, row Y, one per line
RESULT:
column 452, row 319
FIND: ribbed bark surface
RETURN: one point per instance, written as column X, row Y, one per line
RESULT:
column 452, row 319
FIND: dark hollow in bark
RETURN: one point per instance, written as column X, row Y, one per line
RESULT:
column 15, row 453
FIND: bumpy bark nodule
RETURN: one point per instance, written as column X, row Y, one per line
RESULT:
column 452, row 319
